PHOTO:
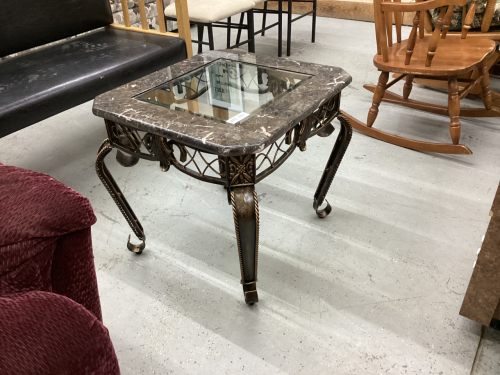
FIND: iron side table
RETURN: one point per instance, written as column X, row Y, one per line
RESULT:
column 227, row 118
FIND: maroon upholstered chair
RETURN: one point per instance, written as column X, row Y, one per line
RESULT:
column 50, row 314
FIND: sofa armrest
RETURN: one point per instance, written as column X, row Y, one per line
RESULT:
column 182, row 22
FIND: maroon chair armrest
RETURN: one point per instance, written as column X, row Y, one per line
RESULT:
column 45, row 239
column 45, row 333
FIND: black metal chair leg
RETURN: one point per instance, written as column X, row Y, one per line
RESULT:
column 115, row 192
column 251, row 33
column 246, row 222
column 280, row 28
column 313, row 38
column 238, row 36
column 229, row 32
column 210, row 37
column 200, row 28
column 264, row 14
column 332, row 165
column 289, row 29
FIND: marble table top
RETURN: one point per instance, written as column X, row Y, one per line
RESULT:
column 252, row 135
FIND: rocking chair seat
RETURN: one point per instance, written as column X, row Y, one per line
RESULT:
column 454, row 56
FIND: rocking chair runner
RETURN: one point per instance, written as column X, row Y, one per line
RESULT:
column 432, row 57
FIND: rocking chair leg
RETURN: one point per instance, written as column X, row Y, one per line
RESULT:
column 485, row 85
column 377, row 98
column 408, row 86
column 454, row 109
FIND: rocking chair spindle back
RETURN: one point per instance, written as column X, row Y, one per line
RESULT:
column 433, row 57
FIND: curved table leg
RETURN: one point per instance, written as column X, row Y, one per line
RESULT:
column 246, row 222
column 115, row 192
column 332, row 165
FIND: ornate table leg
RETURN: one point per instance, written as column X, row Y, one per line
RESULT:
column 241, row 180
column 331, row 167
column 246, row 223
column 115, row 192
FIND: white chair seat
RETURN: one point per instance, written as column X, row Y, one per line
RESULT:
column 208, row 11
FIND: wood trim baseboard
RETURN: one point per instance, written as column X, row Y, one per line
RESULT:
column 139, row 30
column 351, row 10
column 358, row 11
column 344, row 9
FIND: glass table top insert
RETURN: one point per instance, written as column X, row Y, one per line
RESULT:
column 225, row 90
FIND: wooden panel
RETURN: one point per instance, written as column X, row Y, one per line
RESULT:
column 496, row 315
column 427, row 22
column 391, row 97
column 434, row 40
column 421, row 24
column 455, row 57
column 398, row 21
column 136, row 29
column 468, row 19
column 161, row 18
column 488, row 15
column 181, row 8
column 422, row 5
column 483, row 293
column 493, row 35
column 447, row 22
column 182, row 22
column 351, row 10
column 142, row 12
column 388, row 25
column 126, row 16
column 380, row 29
column 413, row 144
column 410, row 46
column 476, row 90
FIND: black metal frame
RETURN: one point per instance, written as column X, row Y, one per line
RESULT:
column 290, row 20
column 262, row 31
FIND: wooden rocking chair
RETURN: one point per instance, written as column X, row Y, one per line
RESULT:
column 432, row 57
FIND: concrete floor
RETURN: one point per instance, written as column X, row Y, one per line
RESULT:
column 374, row 288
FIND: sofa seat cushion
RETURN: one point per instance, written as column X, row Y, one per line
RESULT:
column 44, row 82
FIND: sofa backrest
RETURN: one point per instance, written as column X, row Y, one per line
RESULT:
column 31, row 23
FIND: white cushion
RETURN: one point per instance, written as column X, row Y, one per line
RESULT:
column 208, row 11
column 258, row 1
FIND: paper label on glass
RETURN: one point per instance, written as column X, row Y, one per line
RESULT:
column 225, row 86
column 238, row 118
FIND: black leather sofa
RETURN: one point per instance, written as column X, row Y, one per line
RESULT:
column 43, row 82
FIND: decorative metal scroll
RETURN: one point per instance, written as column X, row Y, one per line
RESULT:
column 318, row 123
column 209, row 167
column 191, row 161
column 232, row 172
column 323, row 116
